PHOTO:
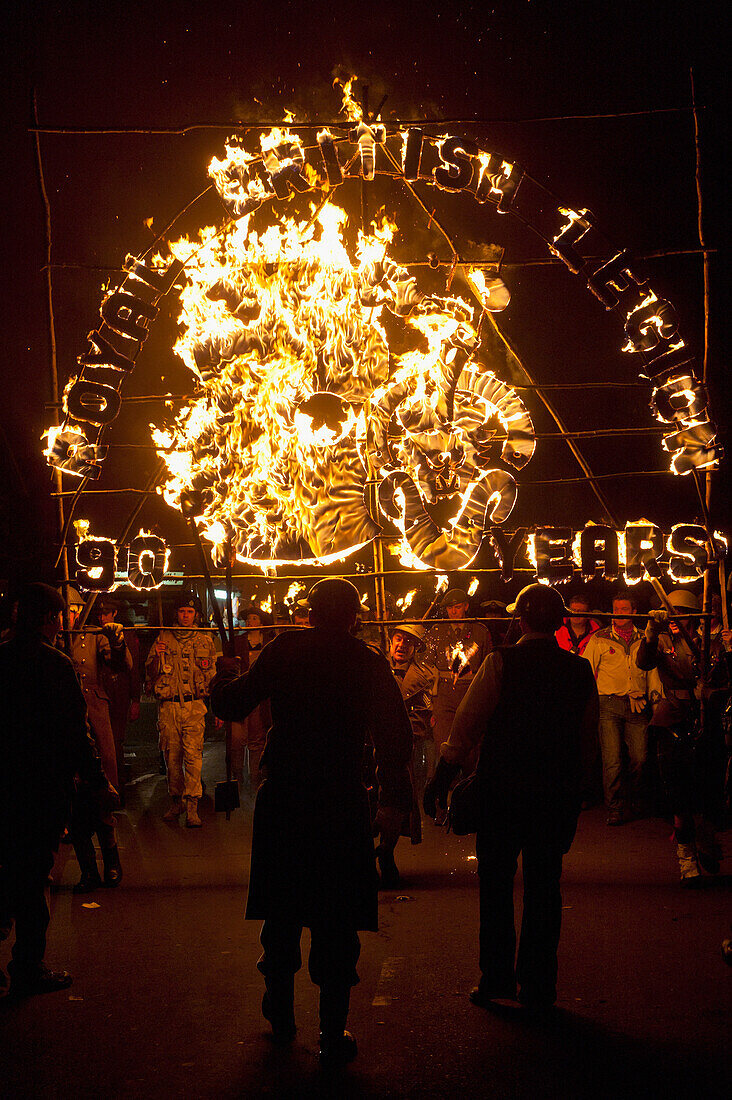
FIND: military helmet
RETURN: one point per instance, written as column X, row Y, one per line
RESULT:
column 414, row 630
column 74, row 598
column 683, row 600
column 334, row 596
column 539, row 603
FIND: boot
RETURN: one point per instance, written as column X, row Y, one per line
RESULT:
column 193, row 821
column 390, row 877
column 337, row 1046
column 86, row 854
column 174, row 811
column 708, row 848
column 112, row 866
column 278, row 1006
column 38, row 980
column 688, row 866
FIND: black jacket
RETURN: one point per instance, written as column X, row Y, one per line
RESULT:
column 312, row 851
column 44, row 738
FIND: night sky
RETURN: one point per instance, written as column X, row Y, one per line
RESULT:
column 170, row 66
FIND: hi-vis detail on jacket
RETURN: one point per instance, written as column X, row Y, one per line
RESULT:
column 187, row 666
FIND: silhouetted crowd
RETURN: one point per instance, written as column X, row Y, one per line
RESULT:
column 344, row 732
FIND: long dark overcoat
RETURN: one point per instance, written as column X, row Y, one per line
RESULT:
column 312, row 849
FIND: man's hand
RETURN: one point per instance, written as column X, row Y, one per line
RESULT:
column 160, row 646
column 656, row 620
column 388, row 822
column 438, row 788
column 637, row 702
column 108, row 799
column 114, row 634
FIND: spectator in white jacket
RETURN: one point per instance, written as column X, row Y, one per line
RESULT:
column 624, row 711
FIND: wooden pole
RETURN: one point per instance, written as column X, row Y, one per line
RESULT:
column 722, row 573
column 57, row 476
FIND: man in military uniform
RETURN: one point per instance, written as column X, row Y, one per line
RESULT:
column 457, row 650
column 94, row 650
column 180, row 668
column 416, row 682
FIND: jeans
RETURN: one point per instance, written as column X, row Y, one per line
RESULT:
column 619, row 727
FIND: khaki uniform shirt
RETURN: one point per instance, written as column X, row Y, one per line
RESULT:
column 446, row 641
column 417, row 685
column 186, row 668
column 90, row 652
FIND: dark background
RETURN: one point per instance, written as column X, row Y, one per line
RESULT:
column 169, row 66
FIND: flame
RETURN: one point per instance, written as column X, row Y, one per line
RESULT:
column 531, row 555
column 623, row 549
column 406, row 601
column 493, row 293
column 299, row 396
column 459, row 658
column 473, row 586
column 293, row 592
column 146, row 560
column 441, row 583
column 350, row 107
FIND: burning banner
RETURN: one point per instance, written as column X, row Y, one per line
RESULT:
column 333, row 394
column 303, row 403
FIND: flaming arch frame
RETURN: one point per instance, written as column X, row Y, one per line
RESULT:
column 451, row 163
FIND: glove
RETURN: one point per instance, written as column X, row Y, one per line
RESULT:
column 228, row 666
column 436, row 791
column 388, row 822
column 637, row 702
column 656, row 620
column 114, row 634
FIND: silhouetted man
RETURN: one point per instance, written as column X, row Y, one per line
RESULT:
column 44, row 743
column 533, row 710
column 312, row 848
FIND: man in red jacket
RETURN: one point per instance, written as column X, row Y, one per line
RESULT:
column 577, row 629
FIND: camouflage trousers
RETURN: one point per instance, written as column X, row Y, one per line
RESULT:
column 181, row 729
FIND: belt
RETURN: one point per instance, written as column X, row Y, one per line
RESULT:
column 186, row 699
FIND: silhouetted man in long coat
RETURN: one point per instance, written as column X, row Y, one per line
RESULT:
column 312, row 849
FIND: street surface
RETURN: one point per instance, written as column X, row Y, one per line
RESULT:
column 166, row 995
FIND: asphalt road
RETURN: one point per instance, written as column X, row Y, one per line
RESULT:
column 166, row 996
